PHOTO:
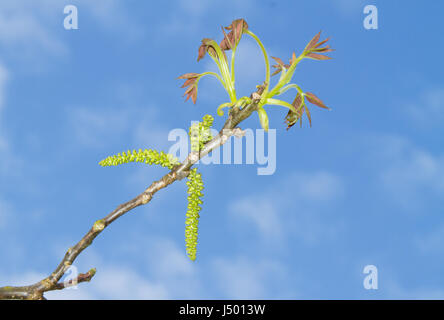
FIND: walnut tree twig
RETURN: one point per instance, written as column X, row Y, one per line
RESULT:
column 52, row 282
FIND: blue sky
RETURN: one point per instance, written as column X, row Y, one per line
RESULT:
column 363, row 186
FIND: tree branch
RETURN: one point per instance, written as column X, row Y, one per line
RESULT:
column 36, row 291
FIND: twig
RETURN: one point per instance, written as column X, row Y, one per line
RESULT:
column 36, row 291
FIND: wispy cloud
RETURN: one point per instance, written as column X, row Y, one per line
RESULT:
column 431, row 242
column 3, row 78
column 8, row 159
column 114, row 282
column 32, row 28
column 428, row 111
column 410, row 173
column 262, row 213
column 5, row 214
column 25, row 29
column 170, row 275
column 241, row 278
column 349, row 7
column 395, row 291
column 95, row 127
column 292, row 207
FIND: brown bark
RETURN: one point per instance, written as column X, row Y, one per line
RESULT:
column 52, row 282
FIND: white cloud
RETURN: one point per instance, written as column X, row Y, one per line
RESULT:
column 410, row 172
column 349, row 7
column 319, row 186
column 293, row 207
column 428, row 111
column 121, row 283
column 113, row 282
column 168, row 274
column 262, row 212
column 24, row 29
column 5, row 214
column 432, row 242
column 94, row 127
column 31, row 28
column 22, row 279
column 3, row 79
column 395, row 291
column 5, row 153
column 240, row 278
column 171, row 261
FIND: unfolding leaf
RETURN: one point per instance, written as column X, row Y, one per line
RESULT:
column 280, row 65
column 205, row 47
column 313, row 42
column 189, row 75
column 279, row 61
column 322, row 42
column 312, row 98
column 191, row 83
column 191, row 92
column 313, row 48
column 297, row 102
column 237, row 28
column 316, row 56
column 307, row 111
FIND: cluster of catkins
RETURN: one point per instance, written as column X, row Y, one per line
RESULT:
column 147, row 156
column 200, row 133
column 195, row 187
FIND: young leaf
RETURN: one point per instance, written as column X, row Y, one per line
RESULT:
column 312, row 98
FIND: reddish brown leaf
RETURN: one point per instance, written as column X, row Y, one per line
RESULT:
column 297, row 102
column 308, row 114
column 316, row 56
column 313, row 41
column 189, row 75
column 201, row 52
column 204, row 48
column 312, row 98
column 322, row 42
column 293, row 58
column 236, row 23
column 237, row 27
column 188, row 82
column 279, row 61
column 278, row 69
column 323, row 50
column 191, row 92
column 228, row 41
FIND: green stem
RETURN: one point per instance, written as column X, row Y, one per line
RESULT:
column 286, row 78
column 277, row 102
column 267, row 62
column 288, row 87
column 233, row 53
column 223, row 67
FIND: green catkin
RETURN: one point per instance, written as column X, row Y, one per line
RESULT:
column 147, row 156
column 200, row 133
column 195, row 187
